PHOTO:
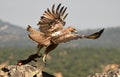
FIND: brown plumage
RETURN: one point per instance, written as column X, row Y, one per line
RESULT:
column 52, row 32
column 53, row 20
column 51, row 41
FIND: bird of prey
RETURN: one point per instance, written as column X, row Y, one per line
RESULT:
column 52, row 32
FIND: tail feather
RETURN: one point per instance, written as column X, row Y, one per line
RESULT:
column 33, row 31
column 38, row 36
column 94, row 35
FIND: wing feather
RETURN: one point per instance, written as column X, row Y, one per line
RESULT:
column 66, row 38
column 65, row 16
column 63, row 11
column 58, row 8
column 52, row 18
column 95, row 35
column 70, row 36
column 53, row 11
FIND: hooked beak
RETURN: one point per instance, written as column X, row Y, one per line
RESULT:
column 75, row 31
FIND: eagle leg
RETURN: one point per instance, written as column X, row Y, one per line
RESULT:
column 39, row 46
column 48, row 49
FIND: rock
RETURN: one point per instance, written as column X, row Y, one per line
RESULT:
column 22, row 71
column 111, row 73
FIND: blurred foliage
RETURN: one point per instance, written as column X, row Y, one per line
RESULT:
column 71, row 62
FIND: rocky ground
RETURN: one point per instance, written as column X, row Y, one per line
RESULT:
column 32, row 71
column 111, row 73
column 22, row 71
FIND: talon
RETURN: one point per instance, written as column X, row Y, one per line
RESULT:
column 44, row 59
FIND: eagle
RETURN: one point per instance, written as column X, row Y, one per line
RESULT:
column 52, row 32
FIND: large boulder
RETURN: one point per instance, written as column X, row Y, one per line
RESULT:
column 22, row 71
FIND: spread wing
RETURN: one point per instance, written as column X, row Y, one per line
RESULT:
column 94, row 35
column 65, row 38
column 53, row 20
column 70, row 36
